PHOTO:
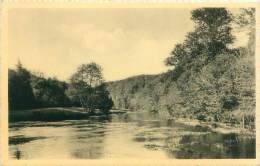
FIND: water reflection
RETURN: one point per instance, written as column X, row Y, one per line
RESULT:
column 21, row 139
column 129, row 135
column 213, row 145
column 17, row 154
column 90, row 138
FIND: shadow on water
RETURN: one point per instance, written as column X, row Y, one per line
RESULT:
column 212, row 145
column 17, row 154
column 91, row 152
column 184, row 141
column 91, row 136
column 21, row 139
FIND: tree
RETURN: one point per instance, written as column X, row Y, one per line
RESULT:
column 20, row 92
column 91, row 74
column 214, row 29
column 202, row 65
column 212, row 35
column 246, row 18
column 101, row 99
column 177, row 54
column 88, row 90
column 49, row 92
column 245, row 68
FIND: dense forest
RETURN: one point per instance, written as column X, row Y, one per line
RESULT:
column 28, row 90
column 209, row 79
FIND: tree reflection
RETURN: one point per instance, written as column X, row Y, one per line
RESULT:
column 91, row 141
column 17, row 153
column 211, row 145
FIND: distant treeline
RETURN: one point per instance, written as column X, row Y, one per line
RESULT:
column 85, row 89
column 210, row 79
column 27, row 90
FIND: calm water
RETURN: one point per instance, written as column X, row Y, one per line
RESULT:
column 128, row 135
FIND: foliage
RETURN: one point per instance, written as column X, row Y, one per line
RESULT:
column 90, row 74
column 20, row 91
column 88, row 90
column 27, row 90
column 49, row 92
column 210, row 80
column 101, row 99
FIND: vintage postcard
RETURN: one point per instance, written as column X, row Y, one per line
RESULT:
column 123, row 83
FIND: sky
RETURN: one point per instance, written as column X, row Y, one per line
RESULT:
column 125, row 42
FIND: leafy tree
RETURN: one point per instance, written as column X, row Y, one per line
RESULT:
column 214, row 29
column 91, row 74
column 20, row 92
column 214, row 76
column 100, row 98
column 87, row 88
column 177, row 54
column 78, row 92
column 49, row 92
column 212, row 35
column 27, row 90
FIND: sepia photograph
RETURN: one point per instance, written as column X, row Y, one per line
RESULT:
column 131, row 83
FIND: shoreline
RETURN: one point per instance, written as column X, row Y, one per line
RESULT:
column 220, row 128
column 55, row 114
column 77, row 113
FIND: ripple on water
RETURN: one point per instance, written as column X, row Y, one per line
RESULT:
column 131, row 134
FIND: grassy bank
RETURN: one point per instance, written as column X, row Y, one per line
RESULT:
column 50, row 114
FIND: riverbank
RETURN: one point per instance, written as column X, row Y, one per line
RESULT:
column 76, row 113
column 217, row 127
column 54, row 114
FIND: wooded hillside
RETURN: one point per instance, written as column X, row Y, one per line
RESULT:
column 210, row 80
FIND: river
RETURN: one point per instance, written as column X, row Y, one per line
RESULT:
column 127, row 135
